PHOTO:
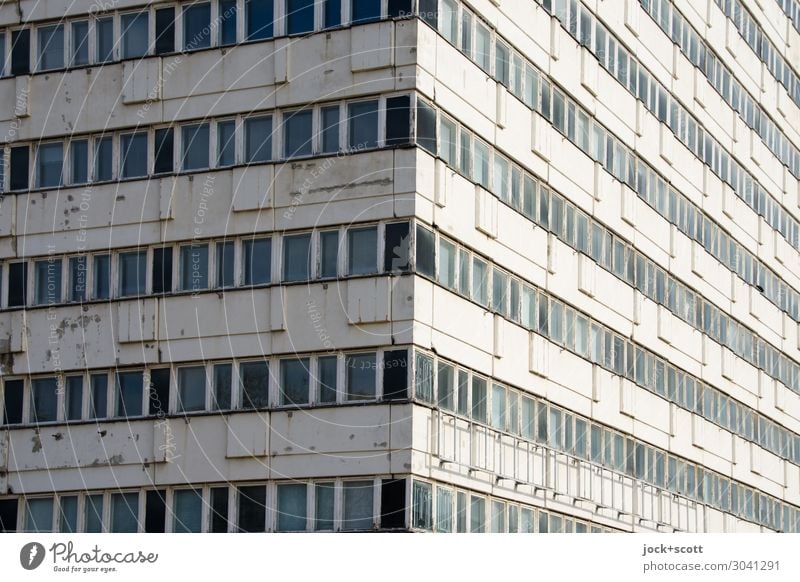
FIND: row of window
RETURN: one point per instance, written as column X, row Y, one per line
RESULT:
column 476, row 278
column 444, row 509
column 457, row 390
column 724, row 81
column 201, row 265
column 791, row 8
column 241, row 384
column 512, row 185
column 165, row 28
column 212, row 143
column 361, row 504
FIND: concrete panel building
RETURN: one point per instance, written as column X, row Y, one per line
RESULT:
column 429, row 265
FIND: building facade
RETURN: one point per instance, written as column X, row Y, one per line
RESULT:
column 431, row 265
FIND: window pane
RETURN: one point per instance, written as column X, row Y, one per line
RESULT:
column 102, row 276
column 188, row 510
column 258, row 138
column 79, row 161
column 226, row 143
column 47, row 283
column 324, row 506
column 444, row 510
column 194, row 267
column 195, row 146
column 124, row 512
column 13, row 393
column 297, row 134
column 357, row 514
column 252, row 508
column 50, row 165
column 191, row 388
column 363, row 124
column 329, row 253
column 73, row 400
column 219, row 510
column 423, row 377
column 254, row 382
column 227, row 16
column 80, row 43
column 257, row 257
column 134, row 35
column 68, row 520
column 398, row 123
column 421, row 517
column 51, row 47
column 39, row 514
column 162, row 270
column 330, row 129
column 197, row 26
column 225, row 254
column 165, row 30
column 327, row 378
column 259, row 17
column 446, row 393
column 477, row 514
column 295, row 381
column 297, row 257
column 132, row 273
column 365, row 10
column 479, row 402
column 133, row 155
column 300, row 16
column 361, row 376
column 98, row 397
column 129, row 394
column 292, row 507
column 333, row 13
column 102, row 159
column 93, row 514
column 165, row 150
column 19, row 167
column 397, row 247
column 20, row 52
column 362, row 250
column 223, row 374
column 44, row 405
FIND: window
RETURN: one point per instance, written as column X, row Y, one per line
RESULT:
column 132, row 273
column 165, row 30
column 19, row 167
column 133, row 35
column 483, row 46
column 447, row 141
column 324, row 506
column 447, row 263
column 481, row 166
column 362, row 250
column 13, row 391
column 225, row 254
column 191, row 389
column 397, row 247
column 44, row 400
column 219, row 510
column 80, row 43
column 329, row 132
column 197, row 26
column 164, row 144
column 129, row 394
column 133, row 155
column 358, row 500
column 73, row 399
column 448, row 20
column 162, row 270
column 93, row 514
column 423, row 377
column 98, row 397
column 254, row 382
column 79, row 161
column 226, row 143
column 68, row 514
column 158, row 392
column 295, row 376
column 297, row 134
column 329, row 253
column 223, row 376
column 259, row 19
column 187, row 508
column 398, row 120
column 105, row 39
column 195, row 146
column 297, row 257
column 479, row 403
column 446, row 392
column 124, row 512
column 292, row 504
column 47, row 281
column 327, row 378
column 194, row 267
column 252, row 508
column 102, row 277
column 480, row 292
column 51, row 47
column 77, row 279
column 421, row 517
column 300, row 16
column 258, row 137
column 39, row 514
column 361, row 376
column 257, row 258
column 155, row 512
column 426, row 126
column 17, row 284
column 50, row 165
column 477, row 514
column 498, row 517
column 363, row 125
column 21, row 52
column 501, row 63
column 102, row 159
column 227, row 16
column 395, row 374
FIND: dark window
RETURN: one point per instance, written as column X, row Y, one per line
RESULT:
column 252, row 508
column 330, row 129
column 254, row 381
column 329, row 253
column 98, row 401
column 402, row 8
column 259, row 16
column 74, row 398
column 225, row 252
column 132, row 273
column 197, row 26
column 79, row 161
column 222, row 386
column 365, row 10
column 300, row 16
column 333, row 13
column 158, row 395
column 398, row 125
column 20, row 52
column 297, row 133
column 429, row 12
column 393, row 503
column 133, row 155
column 395, row 375
column 258, row 139
column 8, row 515
column 426, row 126
column 227, row 16
column 102, row 161
column 425, row 251
column 12, row 401
column 17, row 284
column 327, row 378
column 362, row 250
column 165, row 30
column 362, row 125
column 396, row 249
column 44, row 400
column 20, row 169
column 129, row 394
column 105, row 39
column 155, row 512
column 102, row 276
column 257, row 261
column 162, row 270
column 219, row 510
column 164, row 140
